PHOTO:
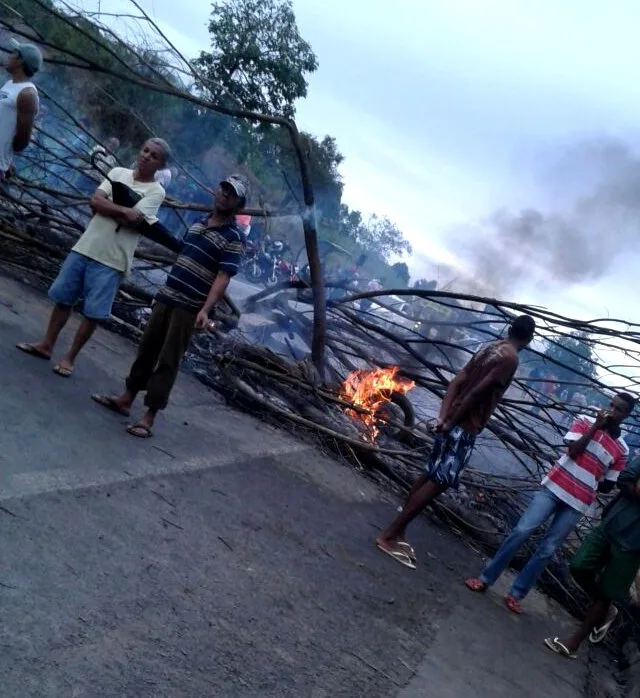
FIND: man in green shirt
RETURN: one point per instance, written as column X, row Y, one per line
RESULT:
column 608, row 561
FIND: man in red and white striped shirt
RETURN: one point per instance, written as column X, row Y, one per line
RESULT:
column 596, row 454
column 575, row 480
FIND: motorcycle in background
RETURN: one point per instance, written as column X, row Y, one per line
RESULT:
column 266, row 263
column 249, row 265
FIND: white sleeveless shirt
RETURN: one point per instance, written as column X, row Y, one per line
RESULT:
column 9, row 119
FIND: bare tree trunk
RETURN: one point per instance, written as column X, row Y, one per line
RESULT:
column 313, row 255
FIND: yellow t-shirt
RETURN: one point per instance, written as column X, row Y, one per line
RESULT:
column 101, row 242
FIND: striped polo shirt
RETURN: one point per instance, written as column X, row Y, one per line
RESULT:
column 204, row 252
column 575, row 480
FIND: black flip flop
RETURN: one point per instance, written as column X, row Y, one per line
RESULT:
column 33, row 351
column 110, row 404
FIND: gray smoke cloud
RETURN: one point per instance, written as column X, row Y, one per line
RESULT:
column 594, row 218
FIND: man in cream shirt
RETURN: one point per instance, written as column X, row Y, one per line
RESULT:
column 103, row 255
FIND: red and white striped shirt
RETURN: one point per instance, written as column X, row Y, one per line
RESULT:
column 575, row 480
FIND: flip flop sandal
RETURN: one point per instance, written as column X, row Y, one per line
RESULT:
column 513, row 604
column 409, row 550
column 110, row 404
column 140, row 431
column 554, row 644
column 598, row 634
column 398, row 556
column 63, row 371
column 33, row 351
column 475, row 584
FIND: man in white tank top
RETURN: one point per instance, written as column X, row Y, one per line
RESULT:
column 18, row 102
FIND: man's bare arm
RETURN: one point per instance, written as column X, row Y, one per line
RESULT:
column 575, row 448
column 450, row 395
column 631, row 490
column 218, row 287
column 101, row 204
column 27, row 106
column 629, row 481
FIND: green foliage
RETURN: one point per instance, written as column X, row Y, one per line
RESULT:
column 576, row 355
column 401, row 271
column 377, row 234
column 110, row 105
column 377, row 237
column 257, row 56
column 275, row 156
column 425, row 285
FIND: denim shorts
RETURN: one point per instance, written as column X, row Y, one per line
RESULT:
column 94, row 283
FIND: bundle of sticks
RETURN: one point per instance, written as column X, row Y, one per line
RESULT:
column 289, row 353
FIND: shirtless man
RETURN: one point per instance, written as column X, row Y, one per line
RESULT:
column 468, row 404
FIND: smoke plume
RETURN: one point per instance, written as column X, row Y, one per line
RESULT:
column 594, row 219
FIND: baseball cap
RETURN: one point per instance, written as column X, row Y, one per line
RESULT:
column 239, row 184
column 29, row 53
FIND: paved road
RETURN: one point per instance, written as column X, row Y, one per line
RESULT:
column 221, row 558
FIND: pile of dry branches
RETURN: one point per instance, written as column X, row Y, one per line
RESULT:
column 288, row 354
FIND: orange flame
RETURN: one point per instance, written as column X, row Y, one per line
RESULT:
column 370, row 390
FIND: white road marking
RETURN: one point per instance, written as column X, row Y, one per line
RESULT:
column 30, row 484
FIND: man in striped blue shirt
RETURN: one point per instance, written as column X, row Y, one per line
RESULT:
column 210, row 255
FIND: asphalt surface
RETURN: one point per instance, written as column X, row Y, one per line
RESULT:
column 223, row 558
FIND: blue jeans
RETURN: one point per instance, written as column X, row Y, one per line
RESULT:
column 544, row 505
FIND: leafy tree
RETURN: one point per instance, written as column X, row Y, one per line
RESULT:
column 377, row 234
column 350, row 222
column 401, row 271
column 275, row 147
column 575, row 353
column 425, row 285
column 258, row 56
column 108, row 105
column 383, row 236
column 324, row 160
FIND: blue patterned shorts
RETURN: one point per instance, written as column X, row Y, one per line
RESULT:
column 450, row 454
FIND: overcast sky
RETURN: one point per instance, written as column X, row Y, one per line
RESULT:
column 449, row 110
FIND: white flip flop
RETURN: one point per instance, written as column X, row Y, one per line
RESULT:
column 398, row 556
column 598, row 634
column 556, row 646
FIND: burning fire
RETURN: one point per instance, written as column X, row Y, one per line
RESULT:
column 370, row 390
